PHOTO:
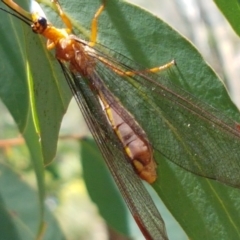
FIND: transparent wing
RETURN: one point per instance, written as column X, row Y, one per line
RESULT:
column 137, row 198
column 182, row 128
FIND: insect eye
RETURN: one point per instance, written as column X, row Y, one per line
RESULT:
column 42, row 21
column 39, row 25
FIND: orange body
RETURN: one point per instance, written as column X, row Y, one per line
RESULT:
column 81, row 59
column 136, row 146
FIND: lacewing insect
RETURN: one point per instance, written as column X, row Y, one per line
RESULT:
column 121, row 139
column 129, row 141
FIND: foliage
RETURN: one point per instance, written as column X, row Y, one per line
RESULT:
column 204, row 208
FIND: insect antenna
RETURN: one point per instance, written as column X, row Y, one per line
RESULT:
column 17, row 15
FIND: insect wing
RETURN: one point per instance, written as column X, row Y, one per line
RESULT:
column 136, row 196
column 182, row 128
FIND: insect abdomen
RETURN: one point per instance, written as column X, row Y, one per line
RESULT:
column 137, row 147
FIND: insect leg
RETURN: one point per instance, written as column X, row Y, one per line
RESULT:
column 94, row 26
column 63, row 16
column 11, row 4
column 132, row 73
column 153, row 70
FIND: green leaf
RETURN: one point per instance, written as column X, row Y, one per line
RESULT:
column 40, row 87
column 15, row 93
column 14, row 75
column 50, row 93
column 21, row 53
column 101, row 188
column 20, row 215
column 231, row 10
column 204, row 208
